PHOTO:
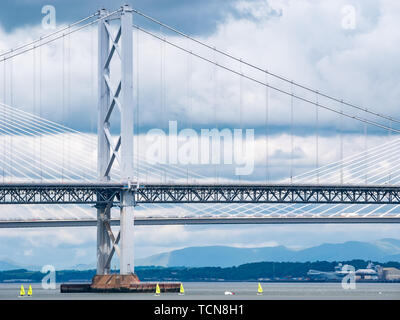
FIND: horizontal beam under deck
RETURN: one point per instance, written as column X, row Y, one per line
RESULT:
column 103, row 193
column 198, row 221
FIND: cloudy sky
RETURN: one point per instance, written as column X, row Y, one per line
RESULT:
column 320, row 44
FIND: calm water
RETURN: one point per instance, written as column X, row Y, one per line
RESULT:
column 215, row 290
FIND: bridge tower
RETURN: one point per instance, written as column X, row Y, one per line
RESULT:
column 119, row 45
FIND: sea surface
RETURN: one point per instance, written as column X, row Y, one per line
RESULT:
column 216, row 291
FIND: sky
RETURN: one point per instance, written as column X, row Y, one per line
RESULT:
column 320, row 44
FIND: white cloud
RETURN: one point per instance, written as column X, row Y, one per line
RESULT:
column 50, row 237
column 305, row 42
column 28, row 252
column 79, row 253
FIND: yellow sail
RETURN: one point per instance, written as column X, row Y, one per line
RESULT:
column 181, row 290
column 30, row 290
column 22, row 291
column 260, row 289
column 157, row 289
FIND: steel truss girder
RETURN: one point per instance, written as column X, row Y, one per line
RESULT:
column 105, row 193
column 59, row 194
column 267, row 194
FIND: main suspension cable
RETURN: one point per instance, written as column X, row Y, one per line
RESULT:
column 48, row 35
column 364, row 120
column 10, row 53
column 265, row 71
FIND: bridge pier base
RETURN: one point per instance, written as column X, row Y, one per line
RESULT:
column 114, row 283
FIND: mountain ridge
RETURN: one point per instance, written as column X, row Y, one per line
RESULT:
column 383, row 250
column 224, row 256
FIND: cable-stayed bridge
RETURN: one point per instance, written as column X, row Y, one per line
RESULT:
column 65, row 172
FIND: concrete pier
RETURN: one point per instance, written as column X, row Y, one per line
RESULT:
column 119, row 283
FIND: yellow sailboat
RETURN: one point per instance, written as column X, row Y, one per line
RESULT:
column 260, row 289
column 157, row 290
column 181, row 290
column 30, row 290
column 22, row 291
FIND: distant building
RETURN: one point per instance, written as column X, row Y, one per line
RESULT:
column 391, row 274
column 370, row 273
column 336, row 275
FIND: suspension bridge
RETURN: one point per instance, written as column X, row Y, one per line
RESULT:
column 56, row 174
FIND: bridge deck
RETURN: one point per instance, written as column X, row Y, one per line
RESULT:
column 197, row 221
column 102, row 193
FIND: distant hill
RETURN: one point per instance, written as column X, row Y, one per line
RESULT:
column 223, row 256
column 341, row 251
column 7, row 264
column 382, row 250
column 258, row 271
column 213, row 256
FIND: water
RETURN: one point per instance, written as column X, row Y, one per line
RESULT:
column 215, row 290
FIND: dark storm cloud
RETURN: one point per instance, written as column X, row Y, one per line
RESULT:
column 194, row 16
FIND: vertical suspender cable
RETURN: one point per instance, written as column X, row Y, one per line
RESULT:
column 4, row 114
column 191, row 102
column 68, row 97
column 163, row 93
column 366, row 152
column 63, row 103
column 11, row 83
column 165, row 90
column 8, row 140
column 147, row 168
column 92, row 98
column 341, row 143
column 190, row 93
column 317, row 137
column 215, row 88
column 34, row 100
column 187, row 101
column 161, row 97
column 137, row 107
column 12, row 104
column 40, row 108
column 390, row 138
column 291, row 133
column 91, row 79
column 240, row 104
column 266, row 129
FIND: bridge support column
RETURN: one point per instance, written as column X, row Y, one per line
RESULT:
column 126, row 231
column 127, row 120
column 103, row 240
column 116, row 44
column 103, row 146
